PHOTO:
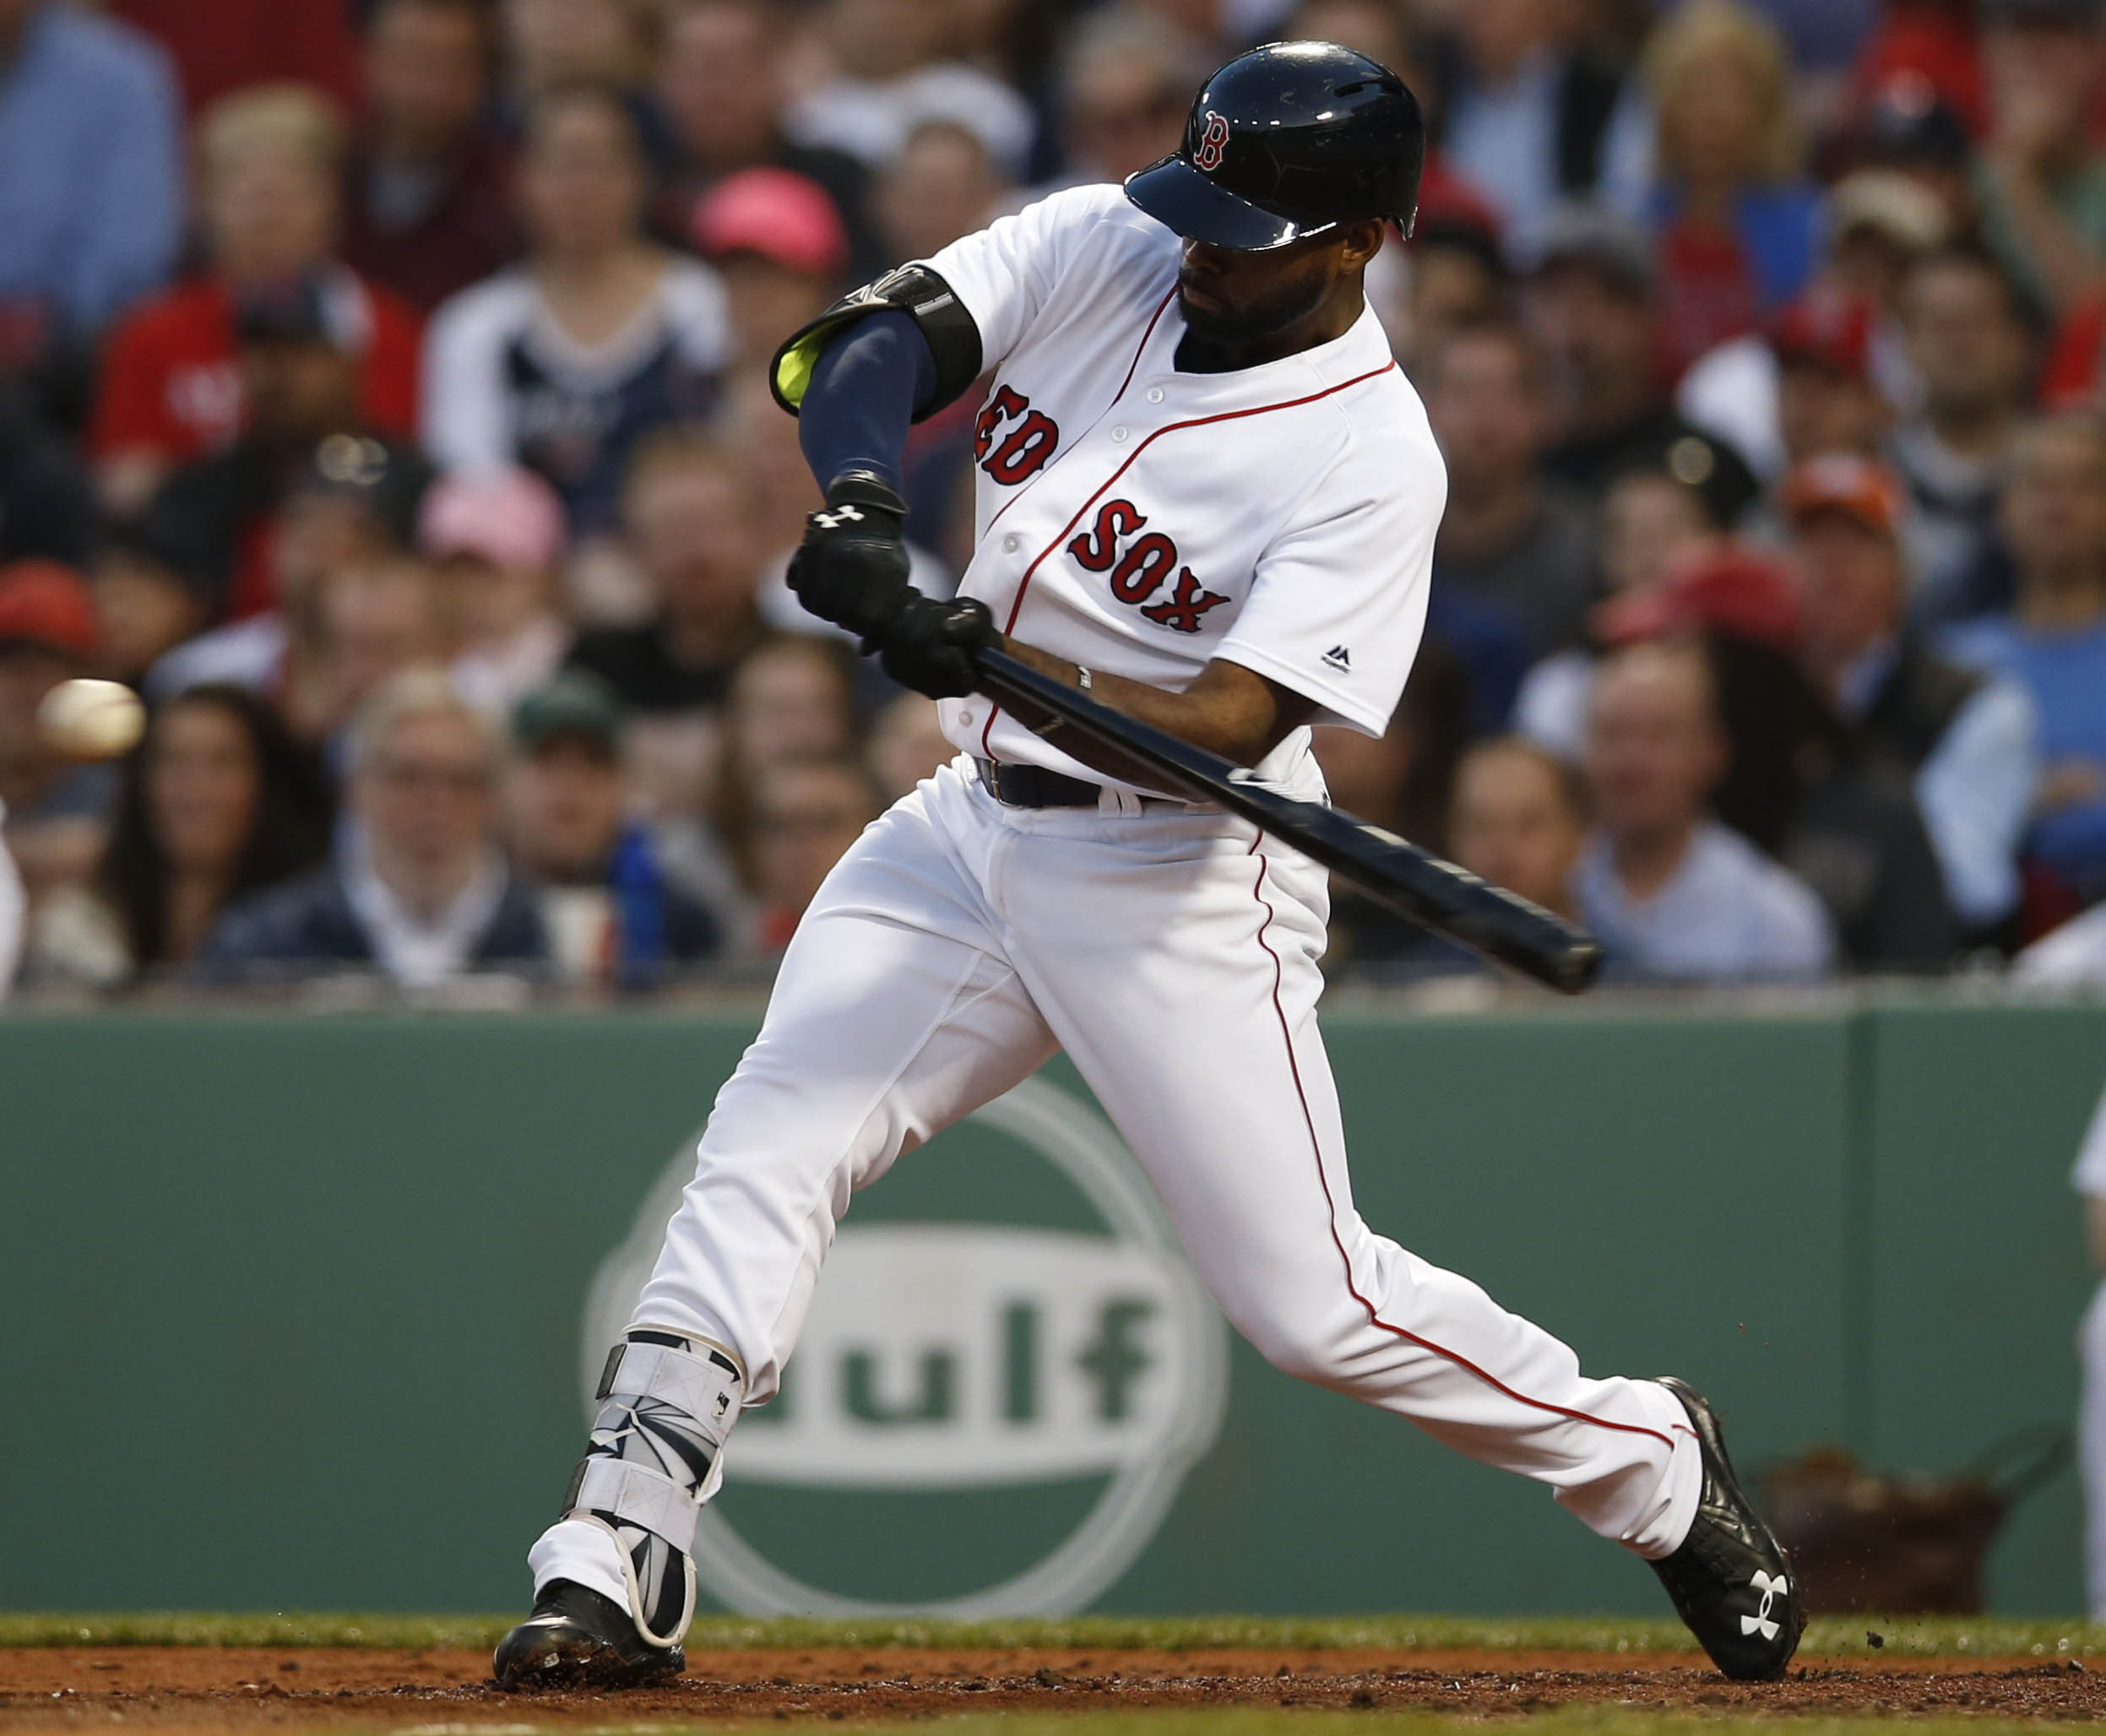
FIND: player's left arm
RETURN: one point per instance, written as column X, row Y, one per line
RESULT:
column 1228, row 710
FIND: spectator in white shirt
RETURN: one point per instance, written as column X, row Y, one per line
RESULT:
column 1673, row 895
column 566, row 362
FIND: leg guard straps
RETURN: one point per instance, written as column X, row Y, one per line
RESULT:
column 636, row 1495
column 664, row 1409
column 705, row 1383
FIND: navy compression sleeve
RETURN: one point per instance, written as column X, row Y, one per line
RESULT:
column 864, row 389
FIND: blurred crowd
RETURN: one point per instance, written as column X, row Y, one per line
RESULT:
column 383, row 395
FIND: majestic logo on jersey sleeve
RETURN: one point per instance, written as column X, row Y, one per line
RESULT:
column 1141, row 568
column 1206, row 155
column 1022, row 451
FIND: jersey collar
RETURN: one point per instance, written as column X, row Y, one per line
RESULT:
column 1362, row 348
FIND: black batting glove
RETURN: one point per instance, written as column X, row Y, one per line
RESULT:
column 934, row 647
column 851, row 568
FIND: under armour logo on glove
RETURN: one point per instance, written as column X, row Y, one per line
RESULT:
column 1772, row 1587
column 836, row 518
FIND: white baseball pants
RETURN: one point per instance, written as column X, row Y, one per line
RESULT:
column 2091, row 1445
column 1172, row 954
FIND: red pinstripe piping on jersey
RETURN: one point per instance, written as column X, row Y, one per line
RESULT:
column 1258, row 891
column 1140, row 350
column 1016, row 607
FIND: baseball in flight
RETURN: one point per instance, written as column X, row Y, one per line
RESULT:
column 92, row 720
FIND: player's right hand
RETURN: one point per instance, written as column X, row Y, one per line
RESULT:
column 851, row 568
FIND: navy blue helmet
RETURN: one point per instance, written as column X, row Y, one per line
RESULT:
column 1290, row 140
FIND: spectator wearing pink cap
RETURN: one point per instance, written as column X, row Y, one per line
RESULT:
column 495, row 537
column 778, row 244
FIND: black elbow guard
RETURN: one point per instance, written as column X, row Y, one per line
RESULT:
column 913, row 289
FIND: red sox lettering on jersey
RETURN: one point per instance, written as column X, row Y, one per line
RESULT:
column 1144, row 521
column 1141, row 567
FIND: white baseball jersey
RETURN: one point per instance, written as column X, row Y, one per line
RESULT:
column 1141, row 521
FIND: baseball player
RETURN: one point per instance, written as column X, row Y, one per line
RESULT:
column 1205, row 493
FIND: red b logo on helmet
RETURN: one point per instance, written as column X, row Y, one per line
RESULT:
column 1212, row 143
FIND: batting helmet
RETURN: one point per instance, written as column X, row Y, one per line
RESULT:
column 1290, row 140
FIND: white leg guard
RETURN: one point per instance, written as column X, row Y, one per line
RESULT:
column 666, row 1403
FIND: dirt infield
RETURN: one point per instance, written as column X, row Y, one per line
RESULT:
column 211, row 1688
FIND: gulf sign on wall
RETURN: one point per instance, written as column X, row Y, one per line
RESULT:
column 1006, row 1372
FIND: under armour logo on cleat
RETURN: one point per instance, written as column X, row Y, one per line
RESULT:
column 836, row 518
column 1772, row 1588
column 1339, row 657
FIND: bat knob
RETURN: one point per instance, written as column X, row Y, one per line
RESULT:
column 1578, row 965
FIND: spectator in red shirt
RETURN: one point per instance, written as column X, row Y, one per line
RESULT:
column 172, row 385
column 428, row 200
column 778, row 241
column 216, row 519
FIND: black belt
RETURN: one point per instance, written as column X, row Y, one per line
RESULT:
column 1034, row 787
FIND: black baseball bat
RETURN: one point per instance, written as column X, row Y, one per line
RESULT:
column 1437, row 895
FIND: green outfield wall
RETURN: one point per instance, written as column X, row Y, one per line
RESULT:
column 295, row 1310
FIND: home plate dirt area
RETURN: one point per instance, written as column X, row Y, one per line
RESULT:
column 1101, row 1676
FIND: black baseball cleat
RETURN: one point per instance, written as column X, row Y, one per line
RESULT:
column 1731, row 1581
column 576, row 1638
